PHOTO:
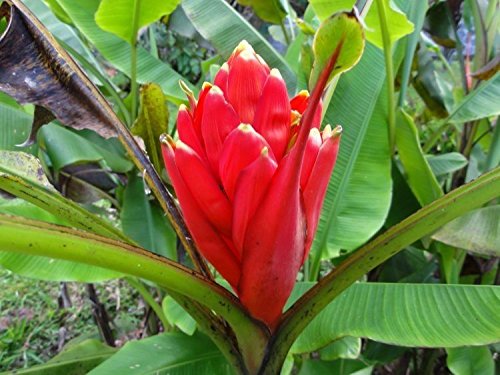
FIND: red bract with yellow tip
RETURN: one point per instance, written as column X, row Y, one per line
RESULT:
column 250, row 173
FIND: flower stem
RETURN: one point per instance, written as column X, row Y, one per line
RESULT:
column 31, row 237
column 422, row 223
column 285, row 34
column 133, row 58
column 133, row 81
column 386, row 39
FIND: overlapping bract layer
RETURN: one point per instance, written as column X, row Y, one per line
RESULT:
column 250, row 194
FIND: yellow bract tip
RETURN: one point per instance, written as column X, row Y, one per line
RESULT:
column 245, row 127
column 244, row 45
column 303, row 93
column 337, row 132
column 167, row 140
column 276, row 73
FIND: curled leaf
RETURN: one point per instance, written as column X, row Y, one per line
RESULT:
column 341, row 35
column 49, row 77
column 489, row 70
column 152, row 121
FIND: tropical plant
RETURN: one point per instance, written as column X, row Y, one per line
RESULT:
column 250, row 172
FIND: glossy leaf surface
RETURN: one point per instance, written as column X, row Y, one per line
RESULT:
column 477, row 231
column 215, row 30
column 168, row 353
column 408, row 315
column 125, row 17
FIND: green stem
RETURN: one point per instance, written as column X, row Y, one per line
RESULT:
column 133, row 58
column 386, row 39
column 153, row 47
column 285, row 34
column 316, row 263
column 481, row 50
column 290, row 23
column 55, row 203
column 446, row 65
column 327, row 97
column 32, row 237
column 220, row 336
column 314, row 266
column 416, row 13
column 149, row 299
column 133, row 81
column 422, row 223
column 470, row 139
column 459, row 48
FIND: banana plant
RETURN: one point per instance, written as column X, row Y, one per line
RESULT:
column 250, row 172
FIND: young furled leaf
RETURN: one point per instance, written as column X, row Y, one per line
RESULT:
column 341, row 34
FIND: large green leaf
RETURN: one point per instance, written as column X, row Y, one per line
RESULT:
column 65, row 147
column 169, row 353
column 117, row 51
column 359, row 194
column 480, row 103
column 477, row 231
column 422, row 223
column 360, row 187
column 225, row 29
column 429, row 315
column 421, row 179
column 144, row 222
column 75, row 359
column 125, row 17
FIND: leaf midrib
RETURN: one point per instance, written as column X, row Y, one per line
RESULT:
column 350, row 164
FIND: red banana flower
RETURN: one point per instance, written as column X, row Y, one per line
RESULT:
column 251, row 170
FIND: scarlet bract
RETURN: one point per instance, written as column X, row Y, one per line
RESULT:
column 250, row 192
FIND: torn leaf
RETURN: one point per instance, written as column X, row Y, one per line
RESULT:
column 35, row 69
